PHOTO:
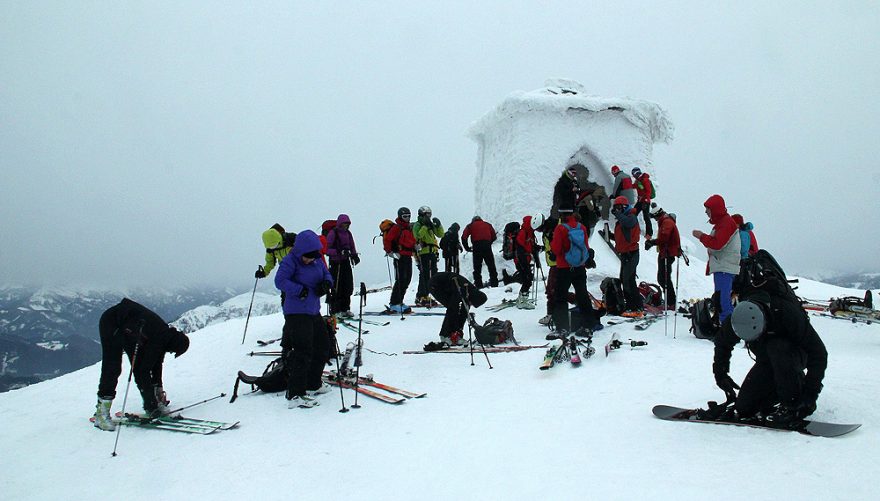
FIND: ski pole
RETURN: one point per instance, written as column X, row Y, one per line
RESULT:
column 197, row 403
column 254, row 293
column 357, row 356
column 675, row 314
column 467, row 305
column 663, row 294
column 127, row 386
column 338, row 375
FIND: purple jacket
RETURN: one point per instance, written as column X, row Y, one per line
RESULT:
column 293, row 276
column 339, row 240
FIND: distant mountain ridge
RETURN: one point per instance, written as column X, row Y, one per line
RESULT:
column 49, row 331
column 861, row 280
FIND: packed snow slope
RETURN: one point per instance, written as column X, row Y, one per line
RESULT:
column 511, row 432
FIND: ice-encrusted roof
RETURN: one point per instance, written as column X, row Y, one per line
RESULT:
column 559, row 95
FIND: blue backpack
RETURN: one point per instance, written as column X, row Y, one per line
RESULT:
column 578, row 254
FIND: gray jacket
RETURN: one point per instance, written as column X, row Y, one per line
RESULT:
column 629, row 193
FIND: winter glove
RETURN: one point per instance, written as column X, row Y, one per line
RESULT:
column 649, row 244
column 151, row 405
column 355, row 259
column 436, row 222
column 161, row 399
column 727, row 385
column 467, row 247
column 805, row 407
column 324, row 288
column 551, row 255
column 591, row 263
column 259, row 273
column 303, row 293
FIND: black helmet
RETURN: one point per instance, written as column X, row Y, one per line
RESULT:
column 403, row 211
column 178, row 344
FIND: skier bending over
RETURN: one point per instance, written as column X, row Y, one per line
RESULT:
column 145, row 338
column 458, row 295
column 777, row 331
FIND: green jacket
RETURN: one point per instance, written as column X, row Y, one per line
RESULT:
column 276, row 248
column 426, row 237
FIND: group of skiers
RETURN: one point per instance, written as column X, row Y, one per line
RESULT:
column 304, row 277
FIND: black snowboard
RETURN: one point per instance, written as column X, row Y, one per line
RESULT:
column 813, row 428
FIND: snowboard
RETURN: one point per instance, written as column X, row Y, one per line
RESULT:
column 806, row 427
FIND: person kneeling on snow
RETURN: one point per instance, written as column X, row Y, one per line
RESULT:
column 142, row 334
column 457, row 294
column 784, row 343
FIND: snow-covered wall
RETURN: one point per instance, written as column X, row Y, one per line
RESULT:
column 526, row 142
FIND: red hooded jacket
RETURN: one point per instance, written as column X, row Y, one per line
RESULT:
column 561, row 243
column 668, row 239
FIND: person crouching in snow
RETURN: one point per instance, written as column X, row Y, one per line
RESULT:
column 305, row 344
column 142, row 334
column 458, row 295
column 723, row 246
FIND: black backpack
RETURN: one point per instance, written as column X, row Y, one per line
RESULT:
column 273, row 380
column 761, row 272
column 612, row 295
column 704, row 319
column 494, row 331
column 508, row 247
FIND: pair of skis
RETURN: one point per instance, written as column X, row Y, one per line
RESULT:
column 568, row 350
column 172, row 423
column 366, row 385
column 489, row 349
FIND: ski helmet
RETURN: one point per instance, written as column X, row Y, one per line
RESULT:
column 748, row 320
column 655, row 210
column 636, row 172
column 424, row 211
column 615, row 169
column 621, row 200
column 403, row 211
column 537, row 220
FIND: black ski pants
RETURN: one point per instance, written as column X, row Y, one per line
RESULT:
column 402, row 278
column 451, row 263
column 565, row 278
column 427, row 269
column 776, row 377
column 550, row 289
column 343, row 286
column 483, row 254
column 629, row 261
column 664, row 278
column 305, row 341
column 524, row 267
column 456, row 315
column 645, row 209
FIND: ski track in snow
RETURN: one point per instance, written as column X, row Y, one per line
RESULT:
column 512, row 432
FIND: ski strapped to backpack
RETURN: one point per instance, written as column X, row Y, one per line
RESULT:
column 578, row 254
column 274, row 379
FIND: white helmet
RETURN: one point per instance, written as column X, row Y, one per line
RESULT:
column 424, row 210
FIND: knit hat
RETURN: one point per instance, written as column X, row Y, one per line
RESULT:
column 738, row 219
column 655, row 210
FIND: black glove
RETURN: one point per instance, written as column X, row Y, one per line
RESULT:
column 727, row 385
column 649, row 244
column 303, row 293
column 591, row 262
column 467, row 248
column 805, row 407
column 324, row 288
column 436, row 222
column 355, row 259
column 259, row 273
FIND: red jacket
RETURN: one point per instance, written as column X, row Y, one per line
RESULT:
column 561, row 243
column 723, row 224
column 668, row 239
column 525, row 239
column 621, row 244
column 400, row 239
column 644, row 187
column 478, row 231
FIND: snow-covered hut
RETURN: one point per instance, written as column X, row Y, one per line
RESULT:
column 527, row 141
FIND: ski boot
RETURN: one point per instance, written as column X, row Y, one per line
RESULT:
column 102, row 415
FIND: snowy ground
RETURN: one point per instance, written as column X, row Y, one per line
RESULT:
column 512, row 432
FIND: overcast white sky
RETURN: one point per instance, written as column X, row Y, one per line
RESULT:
column 152, row 143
